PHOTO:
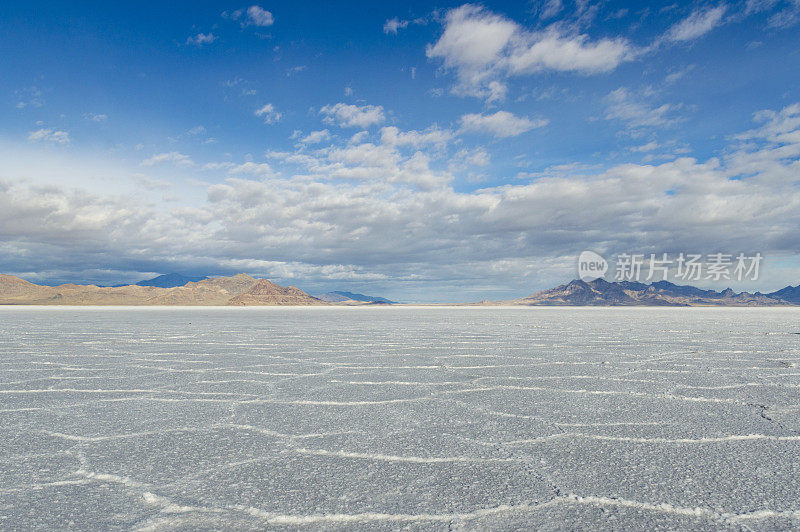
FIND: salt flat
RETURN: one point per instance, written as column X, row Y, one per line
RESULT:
column 402, row 417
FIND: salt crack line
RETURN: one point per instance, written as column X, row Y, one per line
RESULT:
column 111, row 478
column 91, row 439
column 397, row 383
column 533, row 506
column 166, row 505
column 614, row 424
column 334, row 403
column 136, row 391
column 592, row 392
column 393, row 458
column 667, row 508
column 602, row 437
column 366, row 517
column 269, row 432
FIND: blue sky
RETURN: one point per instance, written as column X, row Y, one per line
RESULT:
column 423, row 151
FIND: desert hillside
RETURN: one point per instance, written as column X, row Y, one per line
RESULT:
column 240, row 289
column 662, row 293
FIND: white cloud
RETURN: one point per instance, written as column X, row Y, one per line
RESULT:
column 201, row 38
column 697, row 24
column 95, row 117
column 676, row 75
column 29, row 97
column 622, row 105
column 218, row 166
column 366, row 155
column 388, row 215
column 500, row 124
column 550, row 50
column 346, row 115
column 788, row 13
column 359, row 137
column 254, row 169
column 650, row 146
column 269, row 113
column 252, row 16
column 433, row 136
column 375, row 163
column 780, row 127
column 49, row 135
column 295, row 70
column 495, row 91
column 466, row 159
column 315, row 137
column 257, row 16
column 177, row 158
column 484, row 48
column 394, row 24
column 549, row 8
column 787, row 17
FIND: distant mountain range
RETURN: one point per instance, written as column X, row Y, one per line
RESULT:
column 339, row 296
column 662, row 293
column 243, row 289
column 170, row 280
column 173, row 280
column 240, row 289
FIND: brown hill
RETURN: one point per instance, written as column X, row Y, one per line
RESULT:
column 13, row 289
column 215, row 291
column 97, row 295
column 264, row 292
column 240, row 289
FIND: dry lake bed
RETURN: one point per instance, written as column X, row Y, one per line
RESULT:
column 399, row 418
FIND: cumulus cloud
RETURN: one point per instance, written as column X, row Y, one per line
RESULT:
column 49, row 135
column 315, row 137
column 96, row 117
column 432, row 136
column 258, row 16
column 369, row 210
column 252, row 16
column 482, row 48
column 551, row 50
column 201, row 38
column 500, row 124
column 466, row 159
column 269, row 113
column 346, row 115
column 254, row 169
column 697, row 24
column 394, row 24
column 621, row 104
column 382, row 163
column 643, row 148
column 177, row 158
column 218, row 166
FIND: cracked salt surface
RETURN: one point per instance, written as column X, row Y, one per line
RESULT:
column 387, row 418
